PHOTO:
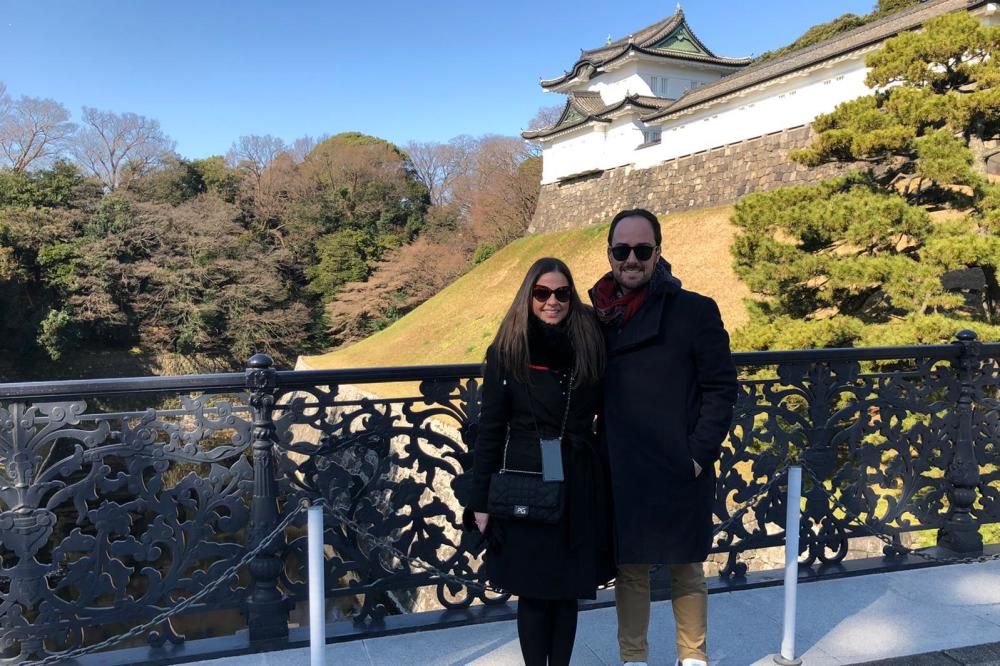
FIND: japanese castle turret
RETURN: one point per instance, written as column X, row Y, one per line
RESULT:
column 611, row 89
column 660, row 94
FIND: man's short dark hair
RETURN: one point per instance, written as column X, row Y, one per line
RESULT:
column 636, row 212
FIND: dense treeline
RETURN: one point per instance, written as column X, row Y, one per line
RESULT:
column 112, row 245
column 483, row 193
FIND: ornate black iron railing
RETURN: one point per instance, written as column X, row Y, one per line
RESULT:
column 112, row 510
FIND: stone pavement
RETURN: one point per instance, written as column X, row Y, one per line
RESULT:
column 974, row 655
column 935, row 614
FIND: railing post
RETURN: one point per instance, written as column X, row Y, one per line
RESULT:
column 793, row 524
column 960, row 532
column 317, row 588
column 267, row 606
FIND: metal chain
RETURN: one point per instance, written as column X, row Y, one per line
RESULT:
column 738, row 514
column 751, row 503
column 855, row 518
column 181, row 605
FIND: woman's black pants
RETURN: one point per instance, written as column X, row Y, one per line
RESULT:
column 546, row 629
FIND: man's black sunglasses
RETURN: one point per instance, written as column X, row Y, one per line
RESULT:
column 542, row 293
column 642, row 252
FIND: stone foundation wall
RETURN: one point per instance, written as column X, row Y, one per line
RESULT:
column 709, row 178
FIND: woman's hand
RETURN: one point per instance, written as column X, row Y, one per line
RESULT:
column 481, row 520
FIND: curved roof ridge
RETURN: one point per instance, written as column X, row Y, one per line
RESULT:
column 587, row 113
column 643, row 36
column 642, row 42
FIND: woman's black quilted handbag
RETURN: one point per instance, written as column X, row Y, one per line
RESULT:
column 525, row 496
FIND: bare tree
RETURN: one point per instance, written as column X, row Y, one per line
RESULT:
column 119, row 148
column 254, row 154
column 428, row 164
column 497, row 193
column 32, row 130
column 546, row 117
column 5, row 101
column 304, row 145
column 438, row 165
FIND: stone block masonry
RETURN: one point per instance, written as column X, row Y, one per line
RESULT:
column 708, row 178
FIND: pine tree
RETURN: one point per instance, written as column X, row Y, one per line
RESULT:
column 906, row 251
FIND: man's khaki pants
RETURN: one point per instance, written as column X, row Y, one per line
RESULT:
column 689, row 598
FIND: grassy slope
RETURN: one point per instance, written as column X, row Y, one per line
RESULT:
column 457, row 324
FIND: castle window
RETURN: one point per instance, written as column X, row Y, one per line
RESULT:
column 658, row 86
column 651, row 135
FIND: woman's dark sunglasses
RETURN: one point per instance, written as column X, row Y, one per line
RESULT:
column 541, row 294
column 642, row 252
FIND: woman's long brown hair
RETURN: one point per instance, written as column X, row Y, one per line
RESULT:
column 511, row 341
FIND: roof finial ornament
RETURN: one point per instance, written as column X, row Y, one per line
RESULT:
column 609, row 40
column 679, row 10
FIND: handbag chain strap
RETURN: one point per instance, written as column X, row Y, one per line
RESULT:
column 562, row 430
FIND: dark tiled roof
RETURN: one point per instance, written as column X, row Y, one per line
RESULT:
column 587, row 107
column 643, row 41
column 589, row 103
column 657, row 102
column 877, row 31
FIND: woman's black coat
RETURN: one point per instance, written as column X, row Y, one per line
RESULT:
column 670, row 388
column 563, row 561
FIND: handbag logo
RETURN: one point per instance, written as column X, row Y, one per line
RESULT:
column 520, row 510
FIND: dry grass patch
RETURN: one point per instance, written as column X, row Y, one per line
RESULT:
column 458, row 323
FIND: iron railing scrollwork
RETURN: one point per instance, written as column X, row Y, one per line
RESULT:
column 121, row 499
column 150, row 626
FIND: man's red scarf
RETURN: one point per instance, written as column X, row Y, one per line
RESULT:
column 611, row 306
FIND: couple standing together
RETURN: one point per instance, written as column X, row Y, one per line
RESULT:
column 637, row 395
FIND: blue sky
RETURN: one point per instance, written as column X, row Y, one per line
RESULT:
column 212, row 70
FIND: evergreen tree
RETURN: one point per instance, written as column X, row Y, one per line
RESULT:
column 862, row 259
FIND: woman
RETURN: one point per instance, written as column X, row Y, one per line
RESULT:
column 548, row 350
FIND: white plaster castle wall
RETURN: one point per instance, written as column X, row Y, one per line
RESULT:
column 781, row 105
column 636, row 77
column 777, row 105
column 622, row 137
column 573, row 152
column 607, row 146
column 672, row 81
column 615, row 85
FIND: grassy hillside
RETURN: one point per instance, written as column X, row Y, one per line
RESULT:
column 457, row 324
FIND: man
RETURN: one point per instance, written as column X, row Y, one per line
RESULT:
column 669, row 394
